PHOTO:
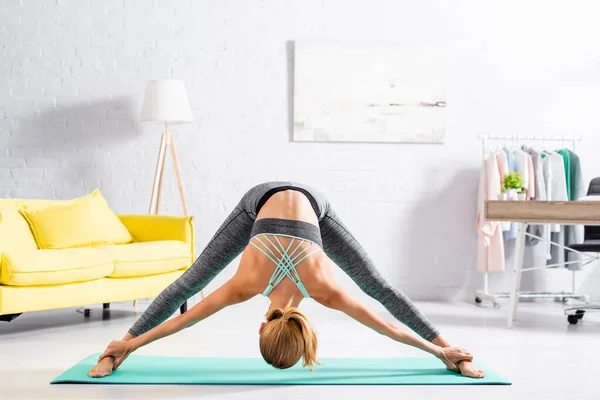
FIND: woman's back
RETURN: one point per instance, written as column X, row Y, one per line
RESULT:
column 255, row 269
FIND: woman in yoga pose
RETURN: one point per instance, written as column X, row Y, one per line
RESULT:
column 289, row 236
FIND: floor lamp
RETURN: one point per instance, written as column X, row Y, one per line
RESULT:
column 166, row 102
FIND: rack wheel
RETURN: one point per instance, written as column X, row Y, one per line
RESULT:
column 497, row 306
column 573, row 319
column 478, row 300
column 579, row 314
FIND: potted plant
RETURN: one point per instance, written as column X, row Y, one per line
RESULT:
column 502, row 194
column 513, row 182
column 522, row 194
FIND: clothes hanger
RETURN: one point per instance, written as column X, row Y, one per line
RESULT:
column 486, row 148
column 544, row 145
column 547, row 145
column 511, row 144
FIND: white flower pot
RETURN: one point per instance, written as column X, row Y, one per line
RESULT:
column 512, row 194
column 522, row 196
column 502, row 196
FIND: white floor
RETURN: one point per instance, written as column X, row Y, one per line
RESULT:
column 542, row 355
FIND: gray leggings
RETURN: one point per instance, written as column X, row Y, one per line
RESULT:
column 234, row 235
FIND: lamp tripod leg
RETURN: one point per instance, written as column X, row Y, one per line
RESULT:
column 178, row 174
column 157, row 185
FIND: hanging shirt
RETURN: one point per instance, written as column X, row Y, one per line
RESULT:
column 490, row 251
column 547, row 171
column 510, row 157
column 567, row 161
column 530, row 187
column 574, row 233
column 557, row 188
column 577, row 188
column 537, row 173
column 503, row 170
column 524, row 166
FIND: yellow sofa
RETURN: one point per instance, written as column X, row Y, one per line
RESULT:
column 34, row 279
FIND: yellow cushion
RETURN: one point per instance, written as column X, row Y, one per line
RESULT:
column 152, row 227
column 14, row 231
column 51, row 267
column 85, row 221
column 148, row 258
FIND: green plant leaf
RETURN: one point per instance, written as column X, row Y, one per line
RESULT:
column 513, row 180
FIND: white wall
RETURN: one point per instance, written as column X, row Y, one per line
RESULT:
column 72, row 75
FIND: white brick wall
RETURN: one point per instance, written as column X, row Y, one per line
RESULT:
column 72, row 75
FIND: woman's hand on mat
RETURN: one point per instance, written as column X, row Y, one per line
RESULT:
column 460, row 361
column 453, row 355
column 119, row 350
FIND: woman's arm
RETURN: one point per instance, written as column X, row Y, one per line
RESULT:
column 226, row 295
column 342, row 301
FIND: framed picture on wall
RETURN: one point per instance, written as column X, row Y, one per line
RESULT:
column 369, row 92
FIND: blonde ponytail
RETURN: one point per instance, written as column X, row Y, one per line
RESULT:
column 287, row 337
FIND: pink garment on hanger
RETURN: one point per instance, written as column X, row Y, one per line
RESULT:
column 490, row 251
column 502, row 165
column 531, row 181
column 503, row 170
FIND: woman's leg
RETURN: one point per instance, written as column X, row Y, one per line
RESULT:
column 345, row 251
column 227, row 243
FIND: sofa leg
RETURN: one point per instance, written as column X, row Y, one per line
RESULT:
column 183, row 307
column 105, row 306
column 9, row 317
column 87, row 312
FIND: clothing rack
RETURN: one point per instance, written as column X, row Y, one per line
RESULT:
column 485, row 139
column 485, row 294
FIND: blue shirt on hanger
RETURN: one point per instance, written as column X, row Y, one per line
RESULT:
column 510, row 157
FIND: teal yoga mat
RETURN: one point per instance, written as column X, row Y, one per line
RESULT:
column 254, row 371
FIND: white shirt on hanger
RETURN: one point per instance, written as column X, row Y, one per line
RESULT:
column 557, row 188
column 548, row 177
column 522, row 166
column 549, row 182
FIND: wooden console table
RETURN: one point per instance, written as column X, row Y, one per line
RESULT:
column 539, row 212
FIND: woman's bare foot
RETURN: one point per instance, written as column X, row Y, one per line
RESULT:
column 103, row 368
column 452, row 367
column 469, row 370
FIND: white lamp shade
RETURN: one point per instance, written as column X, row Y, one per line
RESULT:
column 166, row 100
